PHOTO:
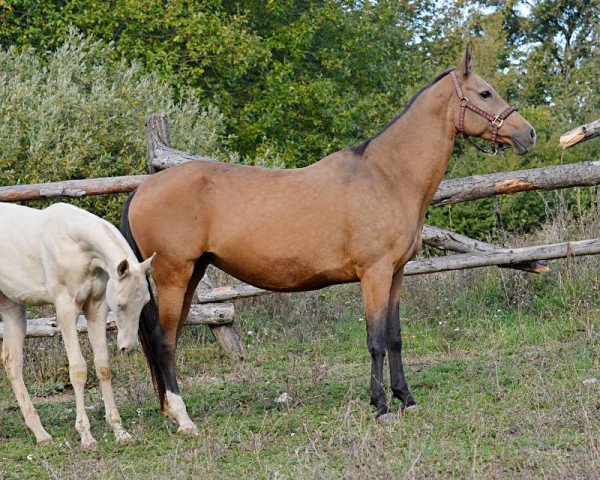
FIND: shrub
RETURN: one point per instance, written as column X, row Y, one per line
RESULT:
column 75, row 113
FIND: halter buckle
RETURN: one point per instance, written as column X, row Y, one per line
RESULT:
column 498, row 121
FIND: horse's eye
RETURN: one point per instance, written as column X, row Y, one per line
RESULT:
column 485, row 94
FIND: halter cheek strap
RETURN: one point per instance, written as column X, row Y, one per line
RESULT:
column 495, row 120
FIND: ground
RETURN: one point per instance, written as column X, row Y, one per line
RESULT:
column 505, row 367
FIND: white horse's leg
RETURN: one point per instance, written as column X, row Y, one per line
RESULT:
column 96, row 313
column 67, row 314
column 15, row 324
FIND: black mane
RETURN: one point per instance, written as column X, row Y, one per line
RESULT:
column 360, row 148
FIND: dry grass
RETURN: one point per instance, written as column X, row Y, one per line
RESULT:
column 497, row 359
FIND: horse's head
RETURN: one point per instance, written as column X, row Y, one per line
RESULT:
column 126, row 294
column 485, row 113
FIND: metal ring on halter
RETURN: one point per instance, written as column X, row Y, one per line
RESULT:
column 498, row 121
column 463, row 99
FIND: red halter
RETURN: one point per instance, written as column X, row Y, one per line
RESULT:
column 495, row 120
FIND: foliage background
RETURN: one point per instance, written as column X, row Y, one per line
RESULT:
column 501, row 361
column 283, row 83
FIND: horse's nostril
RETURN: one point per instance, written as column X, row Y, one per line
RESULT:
column 532, row 133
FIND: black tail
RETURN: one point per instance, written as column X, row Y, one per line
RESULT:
column 150, row 332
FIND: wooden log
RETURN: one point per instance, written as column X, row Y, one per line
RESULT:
column 580, row 134
column 208, row 314
column 510, row 257
column 229, row 340
column 159, row 154
column 220, row 294
column 583, row 174
column 157, row 132
column 455, row 242
column 71, row 188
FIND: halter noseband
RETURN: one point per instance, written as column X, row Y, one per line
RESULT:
column 495, row 120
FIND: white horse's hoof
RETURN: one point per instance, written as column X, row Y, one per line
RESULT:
column 189, row 430
column 124, row 437
column 43, row 440
column 387, row 418
column 89, row 445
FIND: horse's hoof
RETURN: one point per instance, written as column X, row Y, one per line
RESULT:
column 89, row 445
column 387, row 418
column 45, row 440
column 410, row 408
column 124, row 437
column 189, row 430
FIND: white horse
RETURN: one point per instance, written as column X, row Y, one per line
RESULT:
column 65, row 256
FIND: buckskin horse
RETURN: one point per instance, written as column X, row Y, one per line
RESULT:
column 68, row 257
column 355, row 215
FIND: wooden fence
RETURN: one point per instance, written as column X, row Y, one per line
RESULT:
column 208, row 309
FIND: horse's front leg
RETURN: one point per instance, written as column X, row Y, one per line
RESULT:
column 67, row 313
column 399, row 386
column 96, row 312
column 376, row 283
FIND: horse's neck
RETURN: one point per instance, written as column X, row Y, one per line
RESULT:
column 415, row 150
column 101, row 243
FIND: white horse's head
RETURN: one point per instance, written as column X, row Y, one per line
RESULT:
column 126, row 294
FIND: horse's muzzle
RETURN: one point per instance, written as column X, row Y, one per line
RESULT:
column 125, row 347
column 524, row 143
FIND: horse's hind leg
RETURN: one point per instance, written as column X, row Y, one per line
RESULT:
column 171, row 288
column 96, row 312
column 15, row 324
column 199, row 270
column 399, row 386
column 67, row 314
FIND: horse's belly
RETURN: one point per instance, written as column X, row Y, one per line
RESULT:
column 23, row 281
column 285, row 273
column 25, row 292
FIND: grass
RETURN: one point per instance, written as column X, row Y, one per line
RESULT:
column 497, row 360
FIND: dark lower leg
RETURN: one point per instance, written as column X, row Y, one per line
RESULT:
column 376, row 342
column 398, row 381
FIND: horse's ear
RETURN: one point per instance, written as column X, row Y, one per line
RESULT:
column 467, row 62
column 123, row 269
column 146, row 265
